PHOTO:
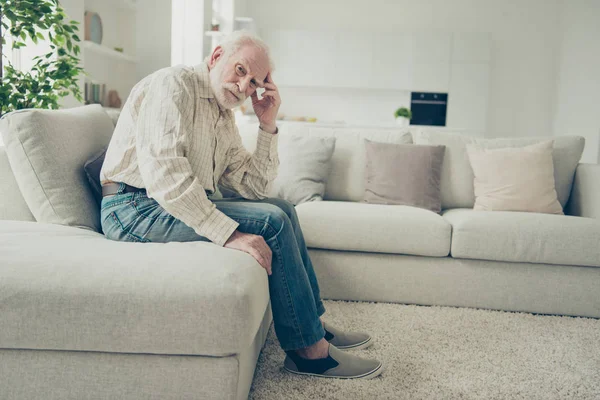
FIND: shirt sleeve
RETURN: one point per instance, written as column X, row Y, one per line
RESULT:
column 165, row 123
column 251, row 174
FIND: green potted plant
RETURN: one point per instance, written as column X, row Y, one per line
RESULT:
column 54, row 74
column 403, row 116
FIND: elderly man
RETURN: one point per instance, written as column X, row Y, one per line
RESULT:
column 176, row 139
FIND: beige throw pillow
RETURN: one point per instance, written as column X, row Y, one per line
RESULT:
column 515, row 179
column 457, row 175
column 403, row 174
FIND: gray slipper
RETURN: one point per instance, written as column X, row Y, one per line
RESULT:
column 347, row 340
column 338, row 364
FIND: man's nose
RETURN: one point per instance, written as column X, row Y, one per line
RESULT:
column 244, row 84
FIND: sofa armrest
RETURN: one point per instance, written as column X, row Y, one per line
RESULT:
column 585, row 194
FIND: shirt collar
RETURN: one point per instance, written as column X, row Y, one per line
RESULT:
column 204, row 91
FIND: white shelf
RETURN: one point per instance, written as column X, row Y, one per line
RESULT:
column 215, row 33
column 124, row 4
column 129, row 5
column 99, row 49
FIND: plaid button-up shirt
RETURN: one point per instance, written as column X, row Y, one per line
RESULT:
column 173, row 139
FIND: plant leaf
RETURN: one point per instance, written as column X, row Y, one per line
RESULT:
column 55, row 74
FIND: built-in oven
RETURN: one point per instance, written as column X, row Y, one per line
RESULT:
column 428, row 108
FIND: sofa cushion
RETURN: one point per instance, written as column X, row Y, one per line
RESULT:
column 92, row 168
column 524, row 237
column 514, row 179
column 376, row 228
column 47, row 150
column 403, row 174
column 347, row 178
column 304, row 168
column 457, row 174
column 63, row 288
column 12, row 203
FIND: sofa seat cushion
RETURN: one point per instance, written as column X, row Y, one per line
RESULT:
column 66, row 288
column 524, row 237
column 375, row 228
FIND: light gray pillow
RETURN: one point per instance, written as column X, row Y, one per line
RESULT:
column 403, row 174
column 47, row 150
column 304, row 165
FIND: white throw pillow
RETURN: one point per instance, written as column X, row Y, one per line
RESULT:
column 305, row 164
column 457, row 175
column 47, row 150
column 514, row 179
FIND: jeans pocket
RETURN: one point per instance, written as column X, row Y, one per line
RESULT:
column 122, row 229
column 149, row 208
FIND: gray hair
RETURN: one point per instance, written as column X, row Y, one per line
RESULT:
column 237, row 39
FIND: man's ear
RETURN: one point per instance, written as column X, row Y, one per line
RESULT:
column 216, row 55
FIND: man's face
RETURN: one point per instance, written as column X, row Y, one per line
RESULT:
column 236, row 77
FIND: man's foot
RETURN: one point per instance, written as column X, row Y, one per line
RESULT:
column 346, row 340
column 338, row 364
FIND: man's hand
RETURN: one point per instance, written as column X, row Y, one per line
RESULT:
column 254, row 245
column 266, row 109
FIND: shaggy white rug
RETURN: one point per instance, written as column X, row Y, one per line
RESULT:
column 450, row 353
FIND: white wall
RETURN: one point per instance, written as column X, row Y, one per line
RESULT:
column 524, row 38
column 355, row 106
column 578, row 92
column 153, row 36
column 191, row 19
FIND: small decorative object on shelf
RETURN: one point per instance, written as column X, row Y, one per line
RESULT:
column 119, row 49
column 93, row 27
column 214, row 27
column 114, row 101
column 403, row 116
column 95, row 93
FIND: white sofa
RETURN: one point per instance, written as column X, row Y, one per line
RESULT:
column 539, row 263
column 85, row 317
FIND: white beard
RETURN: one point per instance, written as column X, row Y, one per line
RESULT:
column 221, row 90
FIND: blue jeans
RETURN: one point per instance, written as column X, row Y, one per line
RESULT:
column 293, row 287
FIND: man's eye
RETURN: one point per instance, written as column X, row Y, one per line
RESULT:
column 253, row 84
column 240, row 70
